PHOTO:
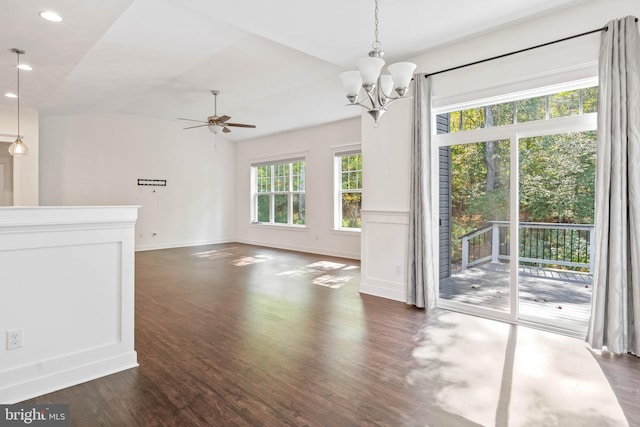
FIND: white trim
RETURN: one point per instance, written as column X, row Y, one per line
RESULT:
column 346, row 148
column 304, row 249
column 378, row 289
column 153, row 247
column 578, row 123
column 516, row 89
column 279, row 158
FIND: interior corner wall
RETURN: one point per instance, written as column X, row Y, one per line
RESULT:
column 98, row 159
column 386, row 148
column 25, row 169
column 316, row 144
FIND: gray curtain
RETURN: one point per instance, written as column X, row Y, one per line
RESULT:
column 615, row 311
column 421, row 278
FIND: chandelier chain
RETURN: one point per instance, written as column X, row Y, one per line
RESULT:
column 376, row 43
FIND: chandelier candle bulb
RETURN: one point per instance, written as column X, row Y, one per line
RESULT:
column 386, row 85
column 401, row 72
column 378, row 88
column 351, row 82
column 370, row 69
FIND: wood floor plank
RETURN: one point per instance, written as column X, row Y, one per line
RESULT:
column 239, row 335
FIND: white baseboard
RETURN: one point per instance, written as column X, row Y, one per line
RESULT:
column 337, row 254
column 142, row 248
column 383, row 292
column 49, row 382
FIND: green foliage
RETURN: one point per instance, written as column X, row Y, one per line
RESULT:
column 351, row 205
column 299, row 209
column 263, row 208
column 557, row 173
column 557, row 178
column 281, row 208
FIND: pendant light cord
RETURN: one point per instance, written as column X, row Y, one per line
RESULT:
column 18, row 67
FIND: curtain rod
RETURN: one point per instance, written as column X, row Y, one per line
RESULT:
column 597, row 30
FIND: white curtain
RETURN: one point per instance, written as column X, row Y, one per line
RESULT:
column 421, row 279
column 615, row 311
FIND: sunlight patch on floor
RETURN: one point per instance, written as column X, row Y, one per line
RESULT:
column 250, row 260
column 216, row 254
column 331, row 281
column 492, row 373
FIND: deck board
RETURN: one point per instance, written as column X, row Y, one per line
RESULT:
column 554, row 297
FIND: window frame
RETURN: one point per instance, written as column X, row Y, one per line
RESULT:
column 338, row 154
column 272, row 193
column 513, row 132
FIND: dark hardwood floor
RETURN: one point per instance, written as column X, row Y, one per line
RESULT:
column 234, row 334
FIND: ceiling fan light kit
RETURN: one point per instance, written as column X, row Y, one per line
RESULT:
column 378, row 88
column 216, row 123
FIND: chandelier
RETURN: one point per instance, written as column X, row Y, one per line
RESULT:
column 18, row 148
column 378, row 88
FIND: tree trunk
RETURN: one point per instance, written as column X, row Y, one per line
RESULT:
column 489, row 156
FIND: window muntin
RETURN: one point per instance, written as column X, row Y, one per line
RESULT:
column 349, row 190
column 279, row 193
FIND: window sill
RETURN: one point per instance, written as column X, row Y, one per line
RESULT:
column 279, row 226
column 347, row 231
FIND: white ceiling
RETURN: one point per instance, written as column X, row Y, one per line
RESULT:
column 275, row 62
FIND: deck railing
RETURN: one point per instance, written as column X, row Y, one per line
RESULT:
column 562, row 245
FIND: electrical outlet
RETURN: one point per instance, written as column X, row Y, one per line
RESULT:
column 14, row 339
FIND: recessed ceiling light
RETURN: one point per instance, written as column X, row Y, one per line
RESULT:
column 51, row 16
column 25, row 67
column 10, row 95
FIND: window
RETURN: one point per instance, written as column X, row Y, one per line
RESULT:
column 559, row 104
column 348, row 167
column 279, row 192
column 516, row 182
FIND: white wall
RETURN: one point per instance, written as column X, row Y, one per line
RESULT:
column 97, row 160
column 25, row 169
column 315, row 144
column 386, row 196
column 68, row 285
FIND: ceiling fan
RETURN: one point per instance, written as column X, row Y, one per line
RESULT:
column 217, row 123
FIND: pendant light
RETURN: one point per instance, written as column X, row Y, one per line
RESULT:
column 377, row 87
column 18, row 148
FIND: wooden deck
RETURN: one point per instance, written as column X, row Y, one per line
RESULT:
column 555, row 297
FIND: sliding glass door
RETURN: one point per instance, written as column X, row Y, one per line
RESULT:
column 516, row 209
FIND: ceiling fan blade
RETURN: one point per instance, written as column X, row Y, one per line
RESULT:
column 191, row 120
column 240, row 125
column 226, row 129
column 223, row 119
column 197, row 126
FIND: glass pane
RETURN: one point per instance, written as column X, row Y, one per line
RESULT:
column 473, row 118
column 499, row 114
column 298, row 209
column 531, row 109
column 263, row 207
column 263, row 179
column 455, row 121
column 477, row 175
column 351, row 205
column 281, row 177
column 297, row 177
column 590, row 100
column 557, row 186
column 351, row 175
column 564, row 104
column 281, row 208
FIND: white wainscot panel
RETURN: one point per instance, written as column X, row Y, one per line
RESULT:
column 384, row 253
column 67, row 281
